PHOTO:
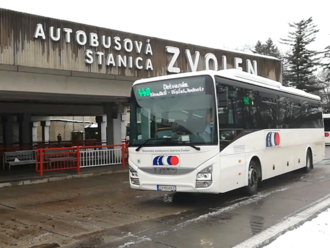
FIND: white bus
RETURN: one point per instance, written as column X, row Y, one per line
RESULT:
column 228, row 129
column 326, row 118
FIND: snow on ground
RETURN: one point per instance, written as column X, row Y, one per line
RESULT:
column 313, row 233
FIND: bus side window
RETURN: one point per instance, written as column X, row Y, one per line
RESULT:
column 222, row 103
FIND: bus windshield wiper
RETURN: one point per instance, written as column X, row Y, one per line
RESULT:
column 140, row 146
column 195, row 147
column 166, row 139
column 188, row 144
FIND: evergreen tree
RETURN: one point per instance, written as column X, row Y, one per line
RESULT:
column 300, row 62
column 326, row 65
column 325, row 91
column 245, row 48
column 324, row 77
column 268, row 48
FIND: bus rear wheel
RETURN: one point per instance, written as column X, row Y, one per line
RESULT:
column 253, row 178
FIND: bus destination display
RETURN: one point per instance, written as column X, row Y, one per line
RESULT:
column 170, row 88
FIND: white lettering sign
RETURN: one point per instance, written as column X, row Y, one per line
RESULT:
column 121, row 54
column 93, row 40
column 39, row 32
column 81, row 37
column 237, row 63
column 68, row 32
column 224, row 62
column 192, row 65
column 175, row 86
column 175, row 51
column 56, row 37
column 177, row 89
column 210, row 61
column 88, row 56
column 252, row 68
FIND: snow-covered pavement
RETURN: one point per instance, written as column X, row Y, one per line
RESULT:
column 313, row 233
column 309, row 228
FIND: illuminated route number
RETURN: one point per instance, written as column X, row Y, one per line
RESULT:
column 144, row 92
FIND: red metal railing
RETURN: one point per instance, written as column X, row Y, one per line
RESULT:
column 44, row 145
column 56, row 159
column 53, row 156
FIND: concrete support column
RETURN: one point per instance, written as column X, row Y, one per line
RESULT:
column 119, row 127
column 45, row 131
column 110, row 136
column 35, row 125
column 8, row 131
column 111, row 110
column 102, row 128
column 25, row 131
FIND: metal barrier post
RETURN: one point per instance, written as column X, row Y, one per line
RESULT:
column 126, row 151
column 123, row 155
column 41, row 163
column 37, row 159
column 78, row 159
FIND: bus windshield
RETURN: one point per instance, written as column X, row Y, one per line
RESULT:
column 173, row 112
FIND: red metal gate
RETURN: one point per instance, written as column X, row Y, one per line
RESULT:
column 55, row 159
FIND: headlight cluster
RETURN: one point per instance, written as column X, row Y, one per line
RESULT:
column 204, row 178
column 134, row 177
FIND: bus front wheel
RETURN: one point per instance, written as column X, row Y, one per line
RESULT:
column 253, row 178
column 309, row 162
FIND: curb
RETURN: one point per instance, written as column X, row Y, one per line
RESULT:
column 289, row 223
column 59, row 178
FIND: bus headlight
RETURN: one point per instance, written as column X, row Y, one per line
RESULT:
column 204, row 178
column 133, row 172
column 134, row 177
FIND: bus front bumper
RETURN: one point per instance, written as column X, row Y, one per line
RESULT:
column 177, row 183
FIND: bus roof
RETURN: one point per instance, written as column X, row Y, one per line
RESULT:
column 238, row 75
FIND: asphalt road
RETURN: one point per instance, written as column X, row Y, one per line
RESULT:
column 104, row 212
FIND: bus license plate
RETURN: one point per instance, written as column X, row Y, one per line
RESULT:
column 166, row 188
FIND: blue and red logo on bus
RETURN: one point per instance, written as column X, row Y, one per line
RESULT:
column 272, row 139
column 166, row 160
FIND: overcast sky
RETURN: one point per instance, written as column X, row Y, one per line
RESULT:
column 212, row 23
